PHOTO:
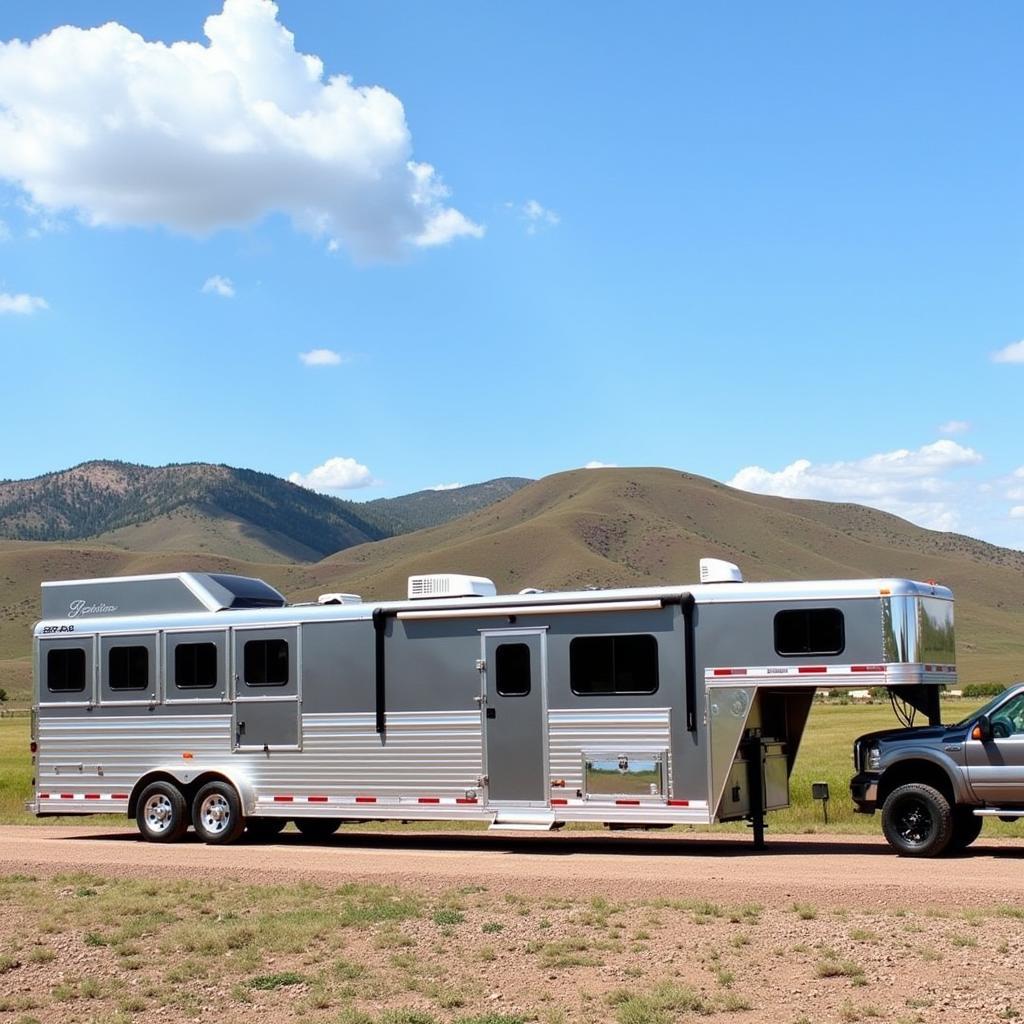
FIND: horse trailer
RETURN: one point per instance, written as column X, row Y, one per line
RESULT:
column 205, row 699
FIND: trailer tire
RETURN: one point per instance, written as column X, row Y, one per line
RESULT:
column 317, row 828
column 966, row 828
column 161, row 813
column 917, row 821
column 262, row 829
column 217, row 814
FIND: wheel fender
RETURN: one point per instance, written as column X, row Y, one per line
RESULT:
column 955, row 773
column 187, row 776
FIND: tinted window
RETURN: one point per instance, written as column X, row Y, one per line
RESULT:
column 807, row 631
column 128, row 668
column 512, row 670
column 266, row 662
column 65, row 670
column 613, row 664
column 195, row 666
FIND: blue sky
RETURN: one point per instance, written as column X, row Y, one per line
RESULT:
column 779, row 245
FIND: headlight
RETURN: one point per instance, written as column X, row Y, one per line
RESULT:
column 873, row 758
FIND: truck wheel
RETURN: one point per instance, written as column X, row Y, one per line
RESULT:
column 264, row 828
column 217, row 813
column 317, row 828
column 161, row 813
column 966, row 828
column 917, row 821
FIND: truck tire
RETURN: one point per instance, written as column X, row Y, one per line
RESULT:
column 262, row 829
column 317, row 828
column 917, row 821
column 161, row 813
column 217, row 814
column 966, row 828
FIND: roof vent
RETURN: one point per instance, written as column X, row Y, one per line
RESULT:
column 339, row 599
column 450, row 585
column 717, row 570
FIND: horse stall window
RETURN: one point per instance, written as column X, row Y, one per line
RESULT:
column 195, row 666
column 266, row 662
column 65, row 670
column 512, row 670
column 808, row 632
column 613, row 664
column 128, row 668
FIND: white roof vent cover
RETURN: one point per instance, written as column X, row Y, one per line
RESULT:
column 339, row 599
column 450, row 585
column 717, row 570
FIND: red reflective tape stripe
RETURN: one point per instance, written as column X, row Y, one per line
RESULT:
column 429, row 799
column 628, row 803
column 118, row 796
column 366, row 799
column 679, row 803
column 805, row 669
column 559, row 802
column 92, row 796
column 67, row 796
column 867, row 668
column 283, row 799
column 316, row 799
column 730, row 671
column 44, row 796
column 465, row 800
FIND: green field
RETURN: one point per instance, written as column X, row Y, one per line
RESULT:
column 825, row 756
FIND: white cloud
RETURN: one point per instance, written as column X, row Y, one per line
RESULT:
column 217, row 285
column 23, row 304
column 337, row 474
column 445, row 487
column 535, row 215
column 954, row 427
column 321, row 357
column 600, row 465
column 1011, row 354
column 911, row 484
column 1017, row 512
column 200, row 136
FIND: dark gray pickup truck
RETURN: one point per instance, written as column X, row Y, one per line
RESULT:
column 936, row 784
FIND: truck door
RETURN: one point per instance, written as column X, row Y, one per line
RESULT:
column 514, row 710
column 266, row 688
column 995, row 767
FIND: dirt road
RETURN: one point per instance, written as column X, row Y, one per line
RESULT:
column 830, row 871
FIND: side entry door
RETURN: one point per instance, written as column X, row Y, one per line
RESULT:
column 515, row 711
column 995, row 767
column 265, row 665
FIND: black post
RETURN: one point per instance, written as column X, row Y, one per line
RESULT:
column 380, row 625
column 755, row 784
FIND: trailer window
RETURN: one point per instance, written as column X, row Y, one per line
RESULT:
column 65, row 670
column 266, row 662
column 512, row 670
column 613, row 664
column 128, row 668
column 803, row 632
column 195, row 666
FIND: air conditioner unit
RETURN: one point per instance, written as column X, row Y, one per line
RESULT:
column 716, row 570
column 450, row 585
column 339, row 599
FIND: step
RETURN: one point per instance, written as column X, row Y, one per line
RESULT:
column 523, row 820
column 999, row 812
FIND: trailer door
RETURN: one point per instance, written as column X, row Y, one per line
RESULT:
column 266, row 688
column 514, row 708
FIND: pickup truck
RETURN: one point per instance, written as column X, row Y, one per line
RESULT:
column 936, row 784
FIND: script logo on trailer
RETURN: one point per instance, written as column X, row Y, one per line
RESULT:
column 79, row 607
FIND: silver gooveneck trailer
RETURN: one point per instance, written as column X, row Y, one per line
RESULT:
column 206, row 700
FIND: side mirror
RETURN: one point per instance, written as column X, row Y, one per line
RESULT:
column 982, row 729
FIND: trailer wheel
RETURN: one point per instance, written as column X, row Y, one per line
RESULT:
column 217, row 813
column 161, row 813
column 966, row 828
column 264, row 828
column 317, row 828
column 917, row 821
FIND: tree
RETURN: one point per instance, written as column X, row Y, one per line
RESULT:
column 3, row 695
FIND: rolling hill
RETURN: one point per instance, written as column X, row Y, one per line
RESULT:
column 607, row 527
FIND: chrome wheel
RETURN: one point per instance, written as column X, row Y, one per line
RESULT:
column 159, row 813
column 215, row 814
